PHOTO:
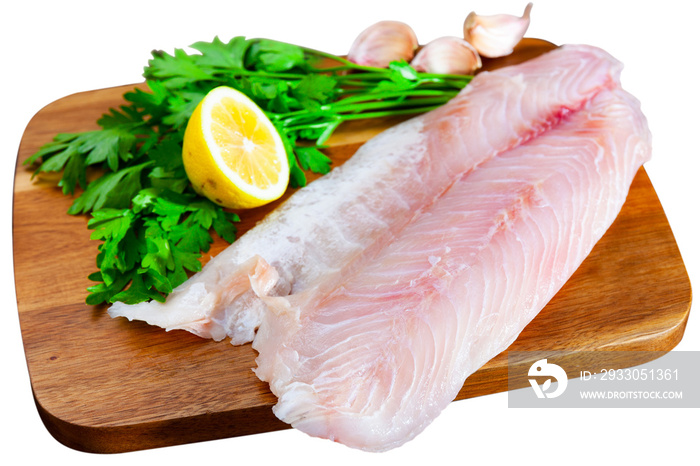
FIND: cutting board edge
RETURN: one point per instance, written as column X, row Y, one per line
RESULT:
column 159, row 434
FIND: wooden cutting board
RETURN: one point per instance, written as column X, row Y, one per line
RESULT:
column 106, row 385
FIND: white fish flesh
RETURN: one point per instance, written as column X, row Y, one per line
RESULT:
column 372, row 361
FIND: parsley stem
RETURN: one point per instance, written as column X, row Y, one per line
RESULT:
column 362, row 116
column 345, row 63
column 408, row 111
column 402, row 95
column 297, row 122
column 357, row 113
column 261, row 74
column 419, row 104
column 353, row 104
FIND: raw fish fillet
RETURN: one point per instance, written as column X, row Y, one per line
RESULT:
column 324, row 231
column 379, row 288
column 372, row 361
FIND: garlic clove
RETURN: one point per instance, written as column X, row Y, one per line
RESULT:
column 496, row 35
column 382, row 43
column 447, row 55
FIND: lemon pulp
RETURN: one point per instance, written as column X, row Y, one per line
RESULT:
column 232, row 152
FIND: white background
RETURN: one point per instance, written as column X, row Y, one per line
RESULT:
column 53, row 49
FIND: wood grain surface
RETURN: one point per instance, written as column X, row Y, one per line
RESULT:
column 109, row 385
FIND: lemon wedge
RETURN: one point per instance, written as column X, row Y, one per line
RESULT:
column 232, row 152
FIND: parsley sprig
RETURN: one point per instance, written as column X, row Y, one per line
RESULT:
column 152, row 226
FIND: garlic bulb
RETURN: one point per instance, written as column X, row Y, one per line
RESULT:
column 382, row 43
column 496, row 35
column 447, row 55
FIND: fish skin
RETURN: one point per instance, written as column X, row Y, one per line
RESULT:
column 372, row 361
column 322, row 232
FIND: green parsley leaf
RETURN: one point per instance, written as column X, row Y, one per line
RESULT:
column 274, row 56
column 219, row 55
column 313, row 159
column 181, row 106
column 313, row 90
column 113, row 189
column 141, row 289
column 110, row 144
column 175, row 71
